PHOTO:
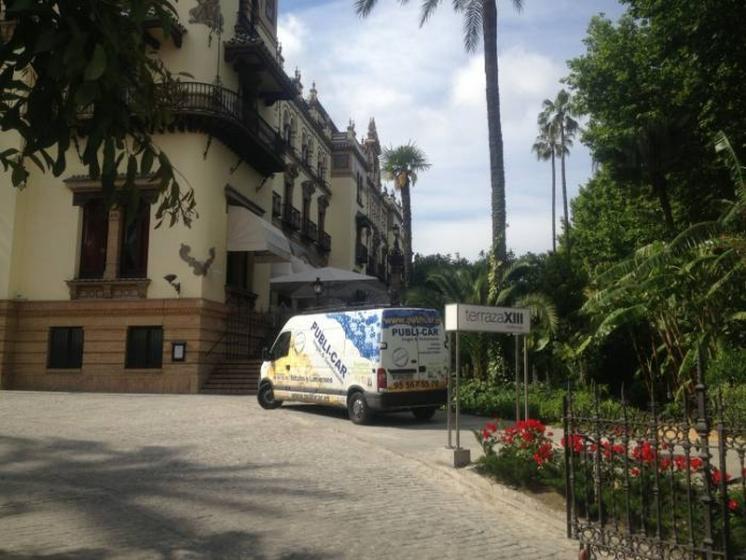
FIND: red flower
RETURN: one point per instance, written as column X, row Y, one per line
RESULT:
column 644, row 452
column 716, row 476
column 576, row 443
column 664, row 464
column 634, row 472
column 695, row 463
column 732, row 505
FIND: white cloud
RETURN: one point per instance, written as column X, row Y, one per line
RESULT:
column 291, row 33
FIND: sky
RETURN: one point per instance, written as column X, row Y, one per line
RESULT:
column 421, row 85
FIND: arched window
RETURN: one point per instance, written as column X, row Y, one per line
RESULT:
column 304, row 147
column 287, row 131
column 320, row 170
column 309, row 155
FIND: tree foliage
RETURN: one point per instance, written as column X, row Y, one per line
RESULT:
column 79, row 74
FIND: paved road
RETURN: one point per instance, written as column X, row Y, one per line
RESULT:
column 94, row 476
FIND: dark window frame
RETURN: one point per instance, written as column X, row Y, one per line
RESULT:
column 135, row 231
column 72, row 357
column 147, row 358
column 92, row 261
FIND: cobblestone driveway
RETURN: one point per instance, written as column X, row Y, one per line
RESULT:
column 88, row 476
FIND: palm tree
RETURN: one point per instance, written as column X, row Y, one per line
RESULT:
column 480, row 19
column 402, row 164
column 559, row 114
column 545, row 147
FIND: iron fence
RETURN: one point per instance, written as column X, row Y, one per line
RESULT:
column 653, row 485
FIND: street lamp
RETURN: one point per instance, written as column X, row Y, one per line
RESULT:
column 318, row 289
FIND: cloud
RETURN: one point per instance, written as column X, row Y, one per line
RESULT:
column 291, row 33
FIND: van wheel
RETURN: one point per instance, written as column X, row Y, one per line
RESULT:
column 266, row 397
column 424, row 414
column 358, row 410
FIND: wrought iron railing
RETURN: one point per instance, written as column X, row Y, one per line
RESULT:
column 657, row 486
column 310, row 230
column 291, row 216
column 214, row 100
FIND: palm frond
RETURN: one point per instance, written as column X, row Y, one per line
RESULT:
column 542, row 309
column 364, row 7
column 472, row 24
column 428, row 8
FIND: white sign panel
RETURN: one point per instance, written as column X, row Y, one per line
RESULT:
column 480, row 318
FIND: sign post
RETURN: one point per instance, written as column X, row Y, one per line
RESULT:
column 478, row 318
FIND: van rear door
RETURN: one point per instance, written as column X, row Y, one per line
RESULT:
column 413, row 350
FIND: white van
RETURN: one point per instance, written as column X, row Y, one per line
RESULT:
column 367, row 361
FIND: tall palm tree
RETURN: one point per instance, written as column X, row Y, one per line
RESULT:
column 480, row 20
column 545, row 146
column 402, row 165
column 559, row 114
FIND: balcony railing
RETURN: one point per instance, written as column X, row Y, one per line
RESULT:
column 310, row 230
column 276, row 205
column 291, row 216
column 325, row 241
column 222, row 112
column 361, row 254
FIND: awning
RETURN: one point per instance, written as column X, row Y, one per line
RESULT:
column 326, row 274
column 285, row 268
column 248, row 232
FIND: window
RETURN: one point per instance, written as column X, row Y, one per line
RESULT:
column 65, row 348
column 93, row 240
column 281, row 347
column 237, row 270
column 134, row 249
column 144, row 347
column 269, row 10
column 322, row 218
column 359, row 189
column 340, row 161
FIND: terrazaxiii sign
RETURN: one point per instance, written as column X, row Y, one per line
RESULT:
column 479, row 318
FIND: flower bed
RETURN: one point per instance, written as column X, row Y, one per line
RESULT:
column 645, row 486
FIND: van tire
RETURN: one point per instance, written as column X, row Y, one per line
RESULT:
column 425, row 413
column 358, row 409
column 266, row 397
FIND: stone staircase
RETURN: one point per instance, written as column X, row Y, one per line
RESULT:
column 234, row 377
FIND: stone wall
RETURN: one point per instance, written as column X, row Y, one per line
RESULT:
column 198, row 322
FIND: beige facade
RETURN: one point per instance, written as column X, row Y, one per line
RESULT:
column 85, row 286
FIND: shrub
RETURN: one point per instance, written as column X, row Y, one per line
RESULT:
column 525, row 451
column 544, row 402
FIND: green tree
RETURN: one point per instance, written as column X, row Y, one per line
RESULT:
column 480, row 21
column 557, row 116
column 403, row 164
column 545, row 147
column 79, row 74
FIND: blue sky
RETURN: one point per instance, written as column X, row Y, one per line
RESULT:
column 420, row 84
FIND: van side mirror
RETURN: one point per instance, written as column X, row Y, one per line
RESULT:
column 266, row 355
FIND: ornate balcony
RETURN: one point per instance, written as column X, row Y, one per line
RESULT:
column 257, row 65
column 325, row 241
column 223, row 114
column 310, row 230
column 291, row 217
